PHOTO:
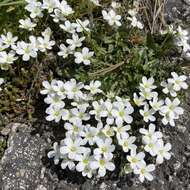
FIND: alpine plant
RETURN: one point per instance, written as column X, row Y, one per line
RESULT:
column 97, row 128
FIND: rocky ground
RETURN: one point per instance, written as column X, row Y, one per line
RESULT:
column 24, row 165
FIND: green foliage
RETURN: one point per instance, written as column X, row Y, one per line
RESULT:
column 122, row 56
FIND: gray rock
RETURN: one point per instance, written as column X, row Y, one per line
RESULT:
column 177, row 11
column 21, row 166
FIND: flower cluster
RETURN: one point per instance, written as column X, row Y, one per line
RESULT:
column 11, row 49
column 167, row 108
column 98, row 129
column 181, row 38
column 133, row 16
column 62, row 14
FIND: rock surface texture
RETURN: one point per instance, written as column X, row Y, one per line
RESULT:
column 21, row 166
column 24, row 165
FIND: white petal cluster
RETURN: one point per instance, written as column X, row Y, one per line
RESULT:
column 150, row 104
column 61, row 13
column 75, row 42
column 13, row 49
column 182, row 40
column 27, row 24
column 133, row 18
column 111, row 17
column 87, row 148
column 98, row 127
column 154, row 144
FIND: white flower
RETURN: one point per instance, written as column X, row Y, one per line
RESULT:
column 50, row 5
column 183, row 34
column 73, row 148
column 171, row 111
column 168, row 88
column 150, row 134
column 115, row 5
column 48, row 87
column 135, row 159
column 178, row 81
column 26, row 50
column 105, row 148
column 75, row 41
column 163, row 151
column 1, row 82
column 108, row 131
column 90, row 134
column 144, row 171
column 96, row 2
column 102, row 164
column 8, row 39
column 84, row 164
column 167, row 119
column 58, row 16
column 6, row 59
column 54, row 100
column 35, row 9
column 64, row 8
column 47, row 32
column 84, row 56
column 156, row 104
column 54, row 113
column 135, row 22
column 59, row 88
column 139, row 101
column 34, row 43
column 68, row 27
column 64, row 51
column 98, row 110
column 171, row 108
column 73, row 89
column 111, row 17
column 146, row 94
column 147, row 84
column 66, row 115
column 127, row 142
column 150, row 146
column 75, row 128
column 55, row 153
column 147, row 114
column 121, row 129
column 45, row 43
column 182, row 39
column 93, row 87
column 122, row 112
column 27, row 24
column 81, row 25
column 80, row 113
column 183, row 43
